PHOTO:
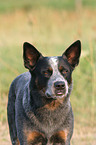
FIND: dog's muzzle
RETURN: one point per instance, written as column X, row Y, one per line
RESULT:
column 59, row 88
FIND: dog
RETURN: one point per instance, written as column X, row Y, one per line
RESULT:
column 39, row 109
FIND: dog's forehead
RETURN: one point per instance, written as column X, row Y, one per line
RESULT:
column 53, row 61
column 57, row 61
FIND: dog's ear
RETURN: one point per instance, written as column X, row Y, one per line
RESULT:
column 30, row 55
column 73, row 53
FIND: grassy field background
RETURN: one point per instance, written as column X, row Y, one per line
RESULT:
column 51, row 26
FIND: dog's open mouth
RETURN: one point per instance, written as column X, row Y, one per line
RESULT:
column 57, row 92
column 60, row 92
column 55, row 96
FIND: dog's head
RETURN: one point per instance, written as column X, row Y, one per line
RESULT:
column 51, row 76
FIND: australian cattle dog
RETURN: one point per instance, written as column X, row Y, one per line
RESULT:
column 39, row 109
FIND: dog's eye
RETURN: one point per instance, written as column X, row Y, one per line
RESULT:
column 63, row 70
column 47, row 73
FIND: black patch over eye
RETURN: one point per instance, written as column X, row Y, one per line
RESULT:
column 63, row 70
column 47, row 73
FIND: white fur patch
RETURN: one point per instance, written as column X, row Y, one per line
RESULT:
column 56, row 76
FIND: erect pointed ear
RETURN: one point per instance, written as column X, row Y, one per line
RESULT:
column 30, row 55
column 73, row 53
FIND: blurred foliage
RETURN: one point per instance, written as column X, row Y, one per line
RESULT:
column 12, row 5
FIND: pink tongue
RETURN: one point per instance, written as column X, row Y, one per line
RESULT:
column 59, row 93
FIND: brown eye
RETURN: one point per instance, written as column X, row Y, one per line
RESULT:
column 47, row 73
column 63, row 70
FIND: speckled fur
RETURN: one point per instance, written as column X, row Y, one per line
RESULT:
column 35, row 119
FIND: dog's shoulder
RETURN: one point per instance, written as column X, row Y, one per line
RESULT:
column 19, row 82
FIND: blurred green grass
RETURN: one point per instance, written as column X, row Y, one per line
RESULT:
column 12, row 5
column 52, row 26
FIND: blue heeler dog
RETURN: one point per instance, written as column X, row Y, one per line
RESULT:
column 39, row 109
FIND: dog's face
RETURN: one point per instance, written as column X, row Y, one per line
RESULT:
column 52, row 75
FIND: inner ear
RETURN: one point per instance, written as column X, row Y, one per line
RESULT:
column 73, row 53
column 30, row 55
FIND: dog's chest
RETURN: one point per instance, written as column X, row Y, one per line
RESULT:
column 48, row 122
column 51, row 120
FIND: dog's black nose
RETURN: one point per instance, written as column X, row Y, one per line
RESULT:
column 59, row 85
